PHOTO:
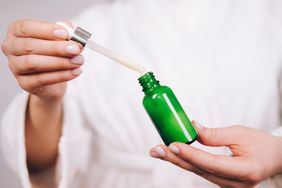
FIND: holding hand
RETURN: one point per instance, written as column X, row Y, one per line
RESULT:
column 42, row 61
column 256, row 156
column 40, row 57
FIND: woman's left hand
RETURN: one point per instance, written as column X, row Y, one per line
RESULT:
column 256, row 156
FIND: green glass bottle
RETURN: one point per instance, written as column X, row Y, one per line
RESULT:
column 165, row 111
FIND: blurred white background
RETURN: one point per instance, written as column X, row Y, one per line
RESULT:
column 12, row 10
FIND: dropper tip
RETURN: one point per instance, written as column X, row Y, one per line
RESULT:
column 142, row 71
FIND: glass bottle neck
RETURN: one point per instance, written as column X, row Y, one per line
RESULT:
column 148, row 82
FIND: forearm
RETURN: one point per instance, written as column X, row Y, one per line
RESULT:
column 42, row 132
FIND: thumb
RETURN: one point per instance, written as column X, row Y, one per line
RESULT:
column 215, row 136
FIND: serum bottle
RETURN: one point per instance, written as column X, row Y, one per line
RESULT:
column 160, row 102
column 165, row 111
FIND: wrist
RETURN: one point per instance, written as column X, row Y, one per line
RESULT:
column 47, row 109
column 45, row 101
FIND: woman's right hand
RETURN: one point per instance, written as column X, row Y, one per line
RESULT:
column 41, row 58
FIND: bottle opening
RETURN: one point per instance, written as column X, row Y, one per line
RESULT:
column 148, row 82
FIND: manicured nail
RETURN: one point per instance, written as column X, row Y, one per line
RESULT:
column 199, row 125
column 78, row 60
column 160, row 151
column 61, row 33
column 72, row 49
column 76, row 71
column 154, row 154
column 174, row 148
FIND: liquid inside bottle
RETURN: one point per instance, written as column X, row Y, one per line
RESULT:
column 165, row 111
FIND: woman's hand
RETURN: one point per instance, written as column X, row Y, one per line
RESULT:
column 42, row 61
column 40, row 57
column 256, row 156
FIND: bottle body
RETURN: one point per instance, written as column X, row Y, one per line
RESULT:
column 167, row 114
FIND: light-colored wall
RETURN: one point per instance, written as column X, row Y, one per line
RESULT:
column 14, row 9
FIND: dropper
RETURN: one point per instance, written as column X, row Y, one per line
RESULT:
column 83, row 37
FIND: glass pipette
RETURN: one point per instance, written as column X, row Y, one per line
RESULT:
column 83, row 37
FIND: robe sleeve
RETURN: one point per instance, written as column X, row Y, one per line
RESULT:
column 74, row 145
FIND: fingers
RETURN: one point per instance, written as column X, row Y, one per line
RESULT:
column 216, row 136
column 28, row 64
column 226, row 166
column 69, row 23
column 35, row 81
column 24, row 46
column 165, row 153
column 39, row 55
column 38, row 29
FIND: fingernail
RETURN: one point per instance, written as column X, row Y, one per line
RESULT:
column 78, row 60
column 61, row 33
column 154, row 154
column 72, row 49
column 199, row 125
column 173, row 148
column 76, row 71
column 160, row 151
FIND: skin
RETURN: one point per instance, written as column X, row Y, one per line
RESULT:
column 256, row 156
column 42, row 61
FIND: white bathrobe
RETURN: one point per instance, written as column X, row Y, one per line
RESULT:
column 222, row 59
